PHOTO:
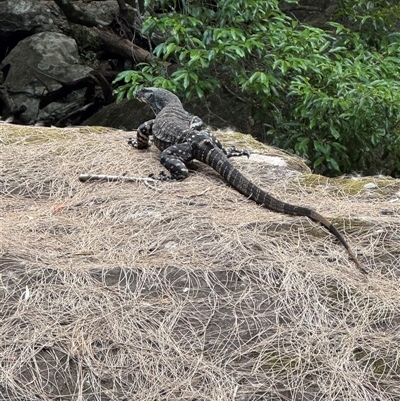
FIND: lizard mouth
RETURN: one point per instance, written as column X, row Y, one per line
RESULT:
column 144, row 100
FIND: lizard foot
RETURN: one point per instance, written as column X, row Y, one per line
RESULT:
column 161, row 177
column 233, row 152
column 133, row 142
column 164, row 177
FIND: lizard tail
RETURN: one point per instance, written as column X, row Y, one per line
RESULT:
column 215, row 158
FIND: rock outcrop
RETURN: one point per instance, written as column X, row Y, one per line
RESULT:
column 187, row 290
column 53, row 59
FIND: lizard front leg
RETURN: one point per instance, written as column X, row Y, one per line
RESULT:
column 174, row 158
column 142, row 136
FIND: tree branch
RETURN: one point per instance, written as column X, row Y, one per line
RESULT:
column 125, row 48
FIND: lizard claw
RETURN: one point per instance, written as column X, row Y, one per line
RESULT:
column 161, row 177
column 246, row 152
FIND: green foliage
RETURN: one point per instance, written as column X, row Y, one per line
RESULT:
column 326, row 95
column 346, row 108
column 374, row 20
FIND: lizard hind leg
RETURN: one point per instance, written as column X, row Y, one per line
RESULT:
column 229, row 152
column 174, row 159
column 233, row 152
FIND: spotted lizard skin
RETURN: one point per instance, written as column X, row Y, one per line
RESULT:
column 181, row 137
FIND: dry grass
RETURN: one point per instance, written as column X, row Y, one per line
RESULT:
column 113, row 291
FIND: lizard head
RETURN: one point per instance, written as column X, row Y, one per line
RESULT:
column 157, row 98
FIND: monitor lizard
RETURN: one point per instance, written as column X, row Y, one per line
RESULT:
column 181, row 137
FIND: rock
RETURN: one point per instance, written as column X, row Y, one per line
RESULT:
column 37, row 65
column 31, row 16
column 102, row 11
column 126, row 115
column 370, row 185
column 218, row 110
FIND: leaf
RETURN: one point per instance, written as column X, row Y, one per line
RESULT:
column 120, row 96
column 313, row 122
column 199, row 92
column 318, row 161
column 182, row 55
column 171, row 48
column 334, row 164
column 129, row 94
column 121, row 76
column 198, row 42
column 324, row 47
column 194, row 77
column 128, row 77
column 186, row 81
column 263, row 78
column 334, row 132
column 239, row 51
column 318, row 146
column 301, row 147
column 337, row 49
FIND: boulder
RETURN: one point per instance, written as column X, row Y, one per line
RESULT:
column 126, row 115
column 38, row 65
column 218, row 110
column 31, row 16
column 103, row 11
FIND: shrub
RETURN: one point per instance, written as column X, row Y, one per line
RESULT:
column 324, row 94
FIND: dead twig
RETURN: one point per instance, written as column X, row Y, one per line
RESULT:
column 122, row 178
